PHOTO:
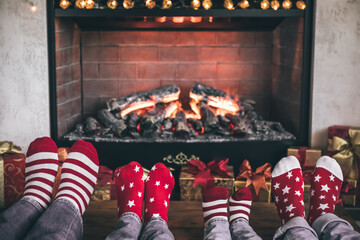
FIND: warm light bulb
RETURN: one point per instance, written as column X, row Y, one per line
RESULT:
column 207, row 4
column 265, row 4
column 275, row 4
column 244, row 4
column 167, row 4
column 160, row 19
column 195, row 4
column 112, row 4
column 33, row 8
column 64, row 4
column 229, row 4
column 211, row 19
column 150, row 4
column 301, row 5
column 195, row 19
column 128, row 4
column 80, row 4
column 89, row 4
column 287, row 4
column 178, row 19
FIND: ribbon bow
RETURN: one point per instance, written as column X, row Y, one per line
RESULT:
column 346, row 152
column 9, row 147
column 203, row 172
column 257, row 178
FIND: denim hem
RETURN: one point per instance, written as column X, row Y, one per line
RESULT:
column 33, row 202
column 214, row 220
column 324, row 220
column 239, row 220
column 131, row 214
column 296, row 222
column 72, row 206
column 157, row 219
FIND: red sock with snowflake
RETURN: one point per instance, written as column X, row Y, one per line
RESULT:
column 325, row 187
column 41, row 167
column 215, row 203
column 130, row 189
column 159, row 185
column 288, row 189
column 240, row 204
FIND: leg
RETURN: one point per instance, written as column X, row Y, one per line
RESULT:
column 240, row 229
column 215, row 213
column 128, row 227
column 296, row 228
column 156, row 228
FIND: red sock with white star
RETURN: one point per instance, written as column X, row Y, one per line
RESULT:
column 240, row 204
column 215, row 203
column 159, row 185
column 288, row 188
column 325, row 187
column 79, row 174
column 130, row 189
column 41, row 167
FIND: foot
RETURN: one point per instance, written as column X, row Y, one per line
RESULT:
column 288, row 189
column 79, row 175
column 325, row 187
column 159, row 185
column 130, row 189
column 240, row 204
column 41, row 167
column 215, row 203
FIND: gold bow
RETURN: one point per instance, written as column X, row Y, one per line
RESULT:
column 9, row 147
column 346, row 152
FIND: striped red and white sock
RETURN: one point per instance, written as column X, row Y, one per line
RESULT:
column 215, row 203
column 79, row 174
column 240, row 204
column 41, row 167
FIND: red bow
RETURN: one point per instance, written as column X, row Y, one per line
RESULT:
column 106, row 175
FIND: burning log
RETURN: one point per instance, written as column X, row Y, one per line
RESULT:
column 132, row 123
column 151, row 122
column 181, row 128
column 225, row 123
column 201, row 92
column 208, row 118
column 240, row 128
column 196, row 125
column 109, row 120
column 91, row 126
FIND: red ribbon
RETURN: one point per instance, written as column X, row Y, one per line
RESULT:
column 302, row 156
column 106, row 175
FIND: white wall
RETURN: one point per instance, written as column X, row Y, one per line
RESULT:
column 336, row 87
column 24, row 90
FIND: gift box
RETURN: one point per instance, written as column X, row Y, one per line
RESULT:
column 12, row 174
column 259, row 182
column 217, row 172
column 62, row 155
column 306, row 156
column 350, row 192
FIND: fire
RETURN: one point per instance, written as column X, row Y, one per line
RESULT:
column 137, row 106
column 224, row 104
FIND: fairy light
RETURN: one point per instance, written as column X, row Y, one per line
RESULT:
column 207, row 4
column 275, row 4
column 265, row 4
column 167, row 4
column 64, row 4
column 128, row 4
column 301, row 5
column 195, row 19
column 229, row 4
column 287, row 4
column 244, row 4
column 89, row 4
column 112, row 4
column 150, row 4
column 195, row 4
column 80, row 4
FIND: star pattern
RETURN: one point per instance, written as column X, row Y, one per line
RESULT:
column 277, row 185
column 122, row 187
column 137, row 169
column 286, row 189
column 323, row 206
column 131, row 185
column 297, row 193
column 157, row 183
column 289, row 175
column 317, row 178
column 332, row 178
column 152, row 199
column 131, row 203
column 166, row 186
column 297, row 179
column 139, row 194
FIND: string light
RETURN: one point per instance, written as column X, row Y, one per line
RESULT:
column 287, row 4
column 275, row 4
column 128, row 4
column 178, row 19
column 301, row 5
column 167, row 4
column 80, row 4
column 89, row 4
column 112, row 4
column 244, row 4
column 195, row 19
column 64, row 4
column 265, row 4
column 207, row 4
column 195, row 4
column 150, row 4
column 229, row 4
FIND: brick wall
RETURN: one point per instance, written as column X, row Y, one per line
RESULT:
column 287, row 73
column 68, row 74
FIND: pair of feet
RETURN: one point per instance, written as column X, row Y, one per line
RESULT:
column 156, row 190
column 78, row 175
column 288, row 187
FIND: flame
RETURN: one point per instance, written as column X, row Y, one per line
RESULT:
column 136, row 106
column 223, row 103
column 172, row 109
column 190, row 114
column 170, row 98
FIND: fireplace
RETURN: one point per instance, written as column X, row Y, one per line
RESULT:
column 96, row 55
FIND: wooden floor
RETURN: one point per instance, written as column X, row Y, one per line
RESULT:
column 185, row 219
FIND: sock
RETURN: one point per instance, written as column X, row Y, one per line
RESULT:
column 130, row 189
column 158, row 187
column 79, row 174
column 240, row 204
column 41, row 167
column 325, row 187
column 288, row 189
column 215, row 203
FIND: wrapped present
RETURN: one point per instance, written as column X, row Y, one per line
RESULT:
column 198, row 175
column 306, row 156
column 344, row 146
column 259, row 182
column 62, row 155
column 12, row 174
column 350, row 192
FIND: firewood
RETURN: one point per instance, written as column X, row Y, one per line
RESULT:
column 181, row 128
column 203, row 92
column 109, row 120
column 224, row 123
column 196, row 124
column 210, row 121
column 91, row 126
column 240, row 128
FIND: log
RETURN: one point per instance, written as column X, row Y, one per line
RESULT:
column 91, row 126
column 225, row 123
column 153, row 118
column 167, row 124
column 109, row 120
column 240, row 128
column 181, row 128
column 196, row 124
column 210, row 121
column 132, row 122
column 202, row 92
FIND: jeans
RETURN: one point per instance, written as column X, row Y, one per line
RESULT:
column 327, row 226
column 129, row 227
column 219, row 228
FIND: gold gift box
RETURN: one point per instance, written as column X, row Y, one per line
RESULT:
column 312, row 155
column 263, row 196
column 101, row 192
column 307, row 192
column 190, row 193
column 350, row 199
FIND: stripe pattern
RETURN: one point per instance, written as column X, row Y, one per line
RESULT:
column 40, row 170
column 239, row 209
column 79, row 175
column 215, row 209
